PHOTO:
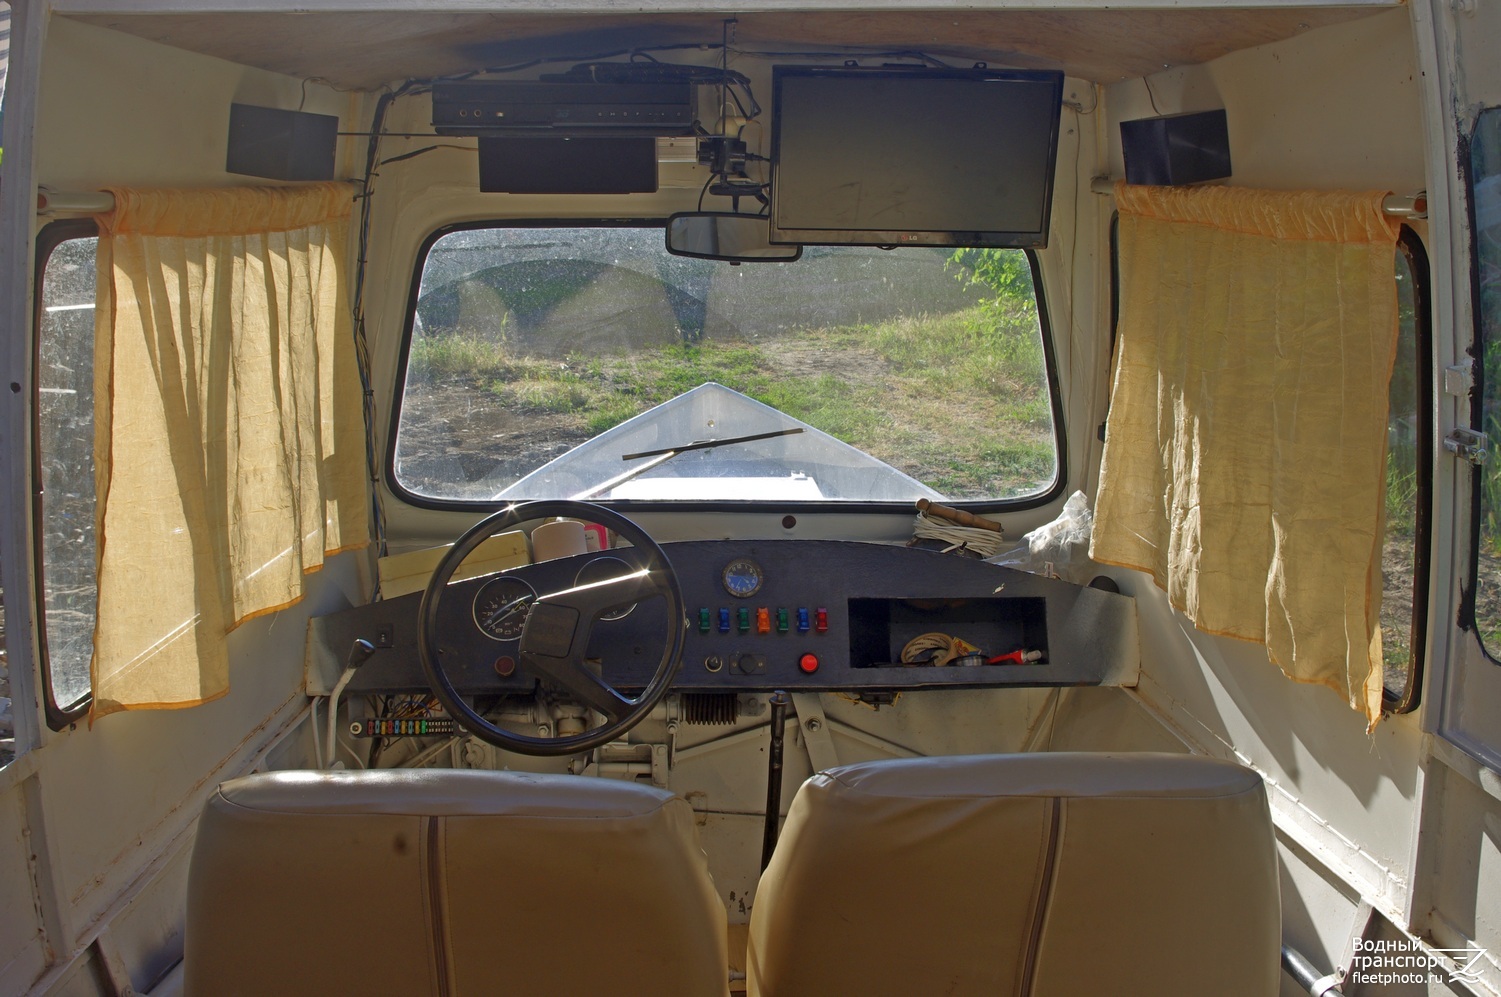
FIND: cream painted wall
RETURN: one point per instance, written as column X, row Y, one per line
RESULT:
column 118, row 800
column 1339, row 107
column 163, row 117
column 1303, row 113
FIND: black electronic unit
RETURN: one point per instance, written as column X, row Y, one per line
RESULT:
column 507, row 107
column 913, row 156
column 1177, row 149
column 568, row 165
column 280, row 145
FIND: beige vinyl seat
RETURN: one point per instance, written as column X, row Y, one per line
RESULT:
column 1036, row 875
column 451, row 884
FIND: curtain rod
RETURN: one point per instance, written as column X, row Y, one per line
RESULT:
column 73, row 202
column 1414, row 206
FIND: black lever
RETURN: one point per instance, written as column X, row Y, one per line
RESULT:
column 360, row 652
column 779, row 700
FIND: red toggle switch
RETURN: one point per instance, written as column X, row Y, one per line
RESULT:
column 821, row 621
column 808, row 664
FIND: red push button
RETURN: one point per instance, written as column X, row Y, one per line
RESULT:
column 808, row 664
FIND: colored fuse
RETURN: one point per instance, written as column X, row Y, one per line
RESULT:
column 802, row 620
column 743, row 619
column 420, row 727
column 724, row 620
column 781, row 620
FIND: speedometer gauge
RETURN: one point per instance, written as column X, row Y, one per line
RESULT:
column 500, row 607
column 742, row 578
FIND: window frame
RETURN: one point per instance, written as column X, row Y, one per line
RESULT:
column 1411, row 246
column 1469, row 591
column 402, row 494
column 58, row 717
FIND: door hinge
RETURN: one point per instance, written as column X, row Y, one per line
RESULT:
column 1466, row 444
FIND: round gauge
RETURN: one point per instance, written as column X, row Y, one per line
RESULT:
column 500, row 607
column 603, row 569
column 742, row 578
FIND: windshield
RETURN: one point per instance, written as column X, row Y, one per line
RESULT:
column 587, row 362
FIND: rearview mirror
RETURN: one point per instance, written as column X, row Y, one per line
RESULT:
column 715, row 235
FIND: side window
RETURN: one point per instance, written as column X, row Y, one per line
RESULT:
column 1404, row 562
column 1485, row 163
column 64, row 468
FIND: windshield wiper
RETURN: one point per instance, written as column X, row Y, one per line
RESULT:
column 663, row 456
column 710, row 444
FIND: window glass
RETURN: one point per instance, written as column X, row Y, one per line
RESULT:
column 577, row 362
column 1403, row 566
column 7, row 722
column 1485, row 153
column 65, row 445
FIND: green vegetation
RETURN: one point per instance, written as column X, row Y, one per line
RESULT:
column 957, row 400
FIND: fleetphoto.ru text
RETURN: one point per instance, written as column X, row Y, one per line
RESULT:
column 1394, row 961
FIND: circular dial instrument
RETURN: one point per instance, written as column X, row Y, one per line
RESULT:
column 500, row 607
column 742, row 578
column 603, row 569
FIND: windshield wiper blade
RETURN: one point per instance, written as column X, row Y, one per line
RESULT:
column 711, row 444
column 663, row 456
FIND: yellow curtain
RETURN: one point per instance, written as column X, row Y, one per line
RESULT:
column 229, row 441
column 1245, row 448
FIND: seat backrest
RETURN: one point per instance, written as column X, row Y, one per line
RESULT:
column 451, row 884
column 1037, row 875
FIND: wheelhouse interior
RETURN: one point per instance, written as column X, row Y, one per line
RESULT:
column 703, row 399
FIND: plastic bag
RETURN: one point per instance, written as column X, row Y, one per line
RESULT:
column 1059, row 549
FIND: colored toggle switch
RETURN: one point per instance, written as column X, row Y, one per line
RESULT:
column 763, row 620
column 724, row 620
column 802, row 620
column 704, row 623
column 781, row 620
column 742, row 617
column 821, row 620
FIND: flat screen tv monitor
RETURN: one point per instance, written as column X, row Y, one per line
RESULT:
column 901, row 156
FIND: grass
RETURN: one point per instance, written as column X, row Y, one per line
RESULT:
column 957, row 400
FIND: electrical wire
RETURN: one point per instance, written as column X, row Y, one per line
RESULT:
column 333, row 714
column 424, row 150
column 317, row 741
column 427, row 754
column 1150, row 96
column 357, row 306
column 848, row 54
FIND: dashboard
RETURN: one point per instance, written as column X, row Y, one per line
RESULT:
column 808, row 615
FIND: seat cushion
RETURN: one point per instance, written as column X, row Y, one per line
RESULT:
column 451, row 883
column 1048, row 875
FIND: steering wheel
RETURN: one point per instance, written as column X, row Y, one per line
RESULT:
column 555, row 637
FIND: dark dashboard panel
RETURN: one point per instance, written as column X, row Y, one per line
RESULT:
column 758, row 608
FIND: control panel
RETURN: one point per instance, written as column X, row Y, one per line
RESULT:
column 812, row 615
